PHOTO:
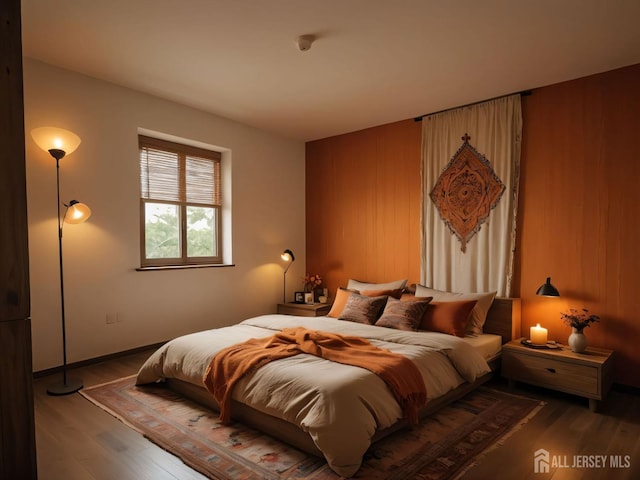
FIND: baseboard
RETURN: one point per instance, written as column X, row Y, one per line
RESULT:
column 630, row 389
column 93, row 361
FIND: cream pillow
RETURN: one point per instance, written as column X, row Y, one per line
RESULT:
column 479, row 312
column 362, row 286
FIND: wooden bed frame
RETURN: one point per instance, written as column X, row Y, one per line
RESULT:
column 503, row 319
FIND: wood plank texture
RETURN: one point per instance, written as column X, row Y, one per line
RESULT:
column 578, row 205
column 17, row 424
column 502, row 308
column 14, row 261
column 304, row 310
column 77, row 440
column 17, row 430
column 363, row 205
column 566, row 427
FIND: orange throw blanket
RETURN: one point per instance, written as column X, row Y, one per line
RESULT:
column 399, row 373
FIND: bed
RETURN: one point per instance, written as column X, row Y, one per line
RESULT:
column 326, row 408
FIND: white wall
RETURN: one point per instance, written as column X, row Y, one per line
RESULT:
column 100, row 256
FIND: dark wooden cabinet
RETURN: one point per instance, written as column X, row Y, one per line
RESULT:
column 17, row 425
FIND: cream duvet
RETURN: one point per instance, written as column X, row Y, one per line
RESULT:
column 340, row 406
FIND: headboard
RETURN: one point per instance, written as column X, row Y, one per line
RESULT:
column 504, row 319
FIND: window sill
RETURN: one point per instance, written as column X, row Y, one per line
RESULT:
column 182, row 267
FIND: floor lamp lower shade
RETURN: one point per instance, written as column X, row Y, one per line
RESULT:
column 65, row 387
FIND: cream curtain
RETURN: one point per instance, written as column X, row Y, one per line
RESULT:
column 495, row 131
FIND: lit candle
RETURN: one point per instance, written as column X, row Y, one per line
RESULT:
column 538, row 335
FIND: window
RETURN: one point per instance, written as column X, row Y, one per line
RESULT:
column 180, row 204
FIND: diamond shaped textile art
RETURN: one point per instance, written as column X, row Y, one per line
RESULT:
column 466, row 191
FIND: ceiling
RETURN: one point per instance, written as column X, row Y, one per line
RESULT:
column 373, row 61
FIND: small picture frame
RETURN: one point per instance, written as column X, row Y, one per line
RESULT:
column 298, row 297
column 308, row 298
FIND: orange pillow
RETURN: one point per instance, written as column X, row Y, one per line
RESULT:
column 342, row 295
column 410, row 297
column 396, row 293
column 447, row 317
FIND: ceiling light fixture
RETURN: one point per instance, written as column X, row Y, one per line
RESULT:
column 304, row 42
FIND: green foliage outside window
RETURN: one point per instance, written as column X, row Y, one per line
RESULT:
column 162, row 231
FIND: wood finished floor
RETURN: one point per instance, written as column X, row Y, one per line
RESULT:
column 78, row 441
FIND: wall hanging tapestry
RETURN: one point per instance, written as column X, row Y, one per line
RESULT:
column 466, row 192
column 470, row 196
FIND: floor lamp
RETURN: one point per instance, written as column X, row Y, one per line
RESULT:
column 287, row 256
column 59, row 142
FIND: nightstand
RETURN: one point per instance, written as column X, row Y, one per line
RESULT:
column 304, row 309
column 588, row 374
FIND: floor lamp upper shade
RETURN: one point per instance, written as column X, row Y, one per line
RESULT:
column 53, row 138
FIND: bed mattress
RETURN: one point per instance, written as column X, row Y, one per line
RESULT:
column 486, row 344
column 340, row 406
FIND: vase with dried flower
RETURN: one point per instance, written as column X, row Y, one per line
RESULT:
column 578, row 320
column 311, row 284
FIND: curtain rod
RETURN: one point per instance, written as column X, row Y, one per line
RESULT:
column 524, row 93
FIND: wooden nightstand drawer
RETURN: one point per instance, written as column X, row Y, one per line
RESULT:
column 588, row 374
column 304, row 310
column 552, row 373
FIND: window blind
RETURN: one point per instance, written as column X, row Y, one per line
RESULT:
column 178, row 173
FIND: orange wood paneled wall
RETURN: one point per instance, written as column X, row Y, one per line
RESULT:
column 580, row 209
column 363, row 205
column 579, row 219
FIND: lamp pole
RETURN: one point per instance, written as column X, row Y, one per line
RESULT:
column 60, row 142
column 68, row 385
column 290, row 257
column 284, row 284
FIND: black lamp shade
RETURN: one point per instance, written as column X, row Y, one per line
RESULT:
column 288, row 255
column 548, row 290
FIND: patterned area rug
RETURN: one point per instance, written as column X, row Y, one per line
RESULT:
column 442, row 447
